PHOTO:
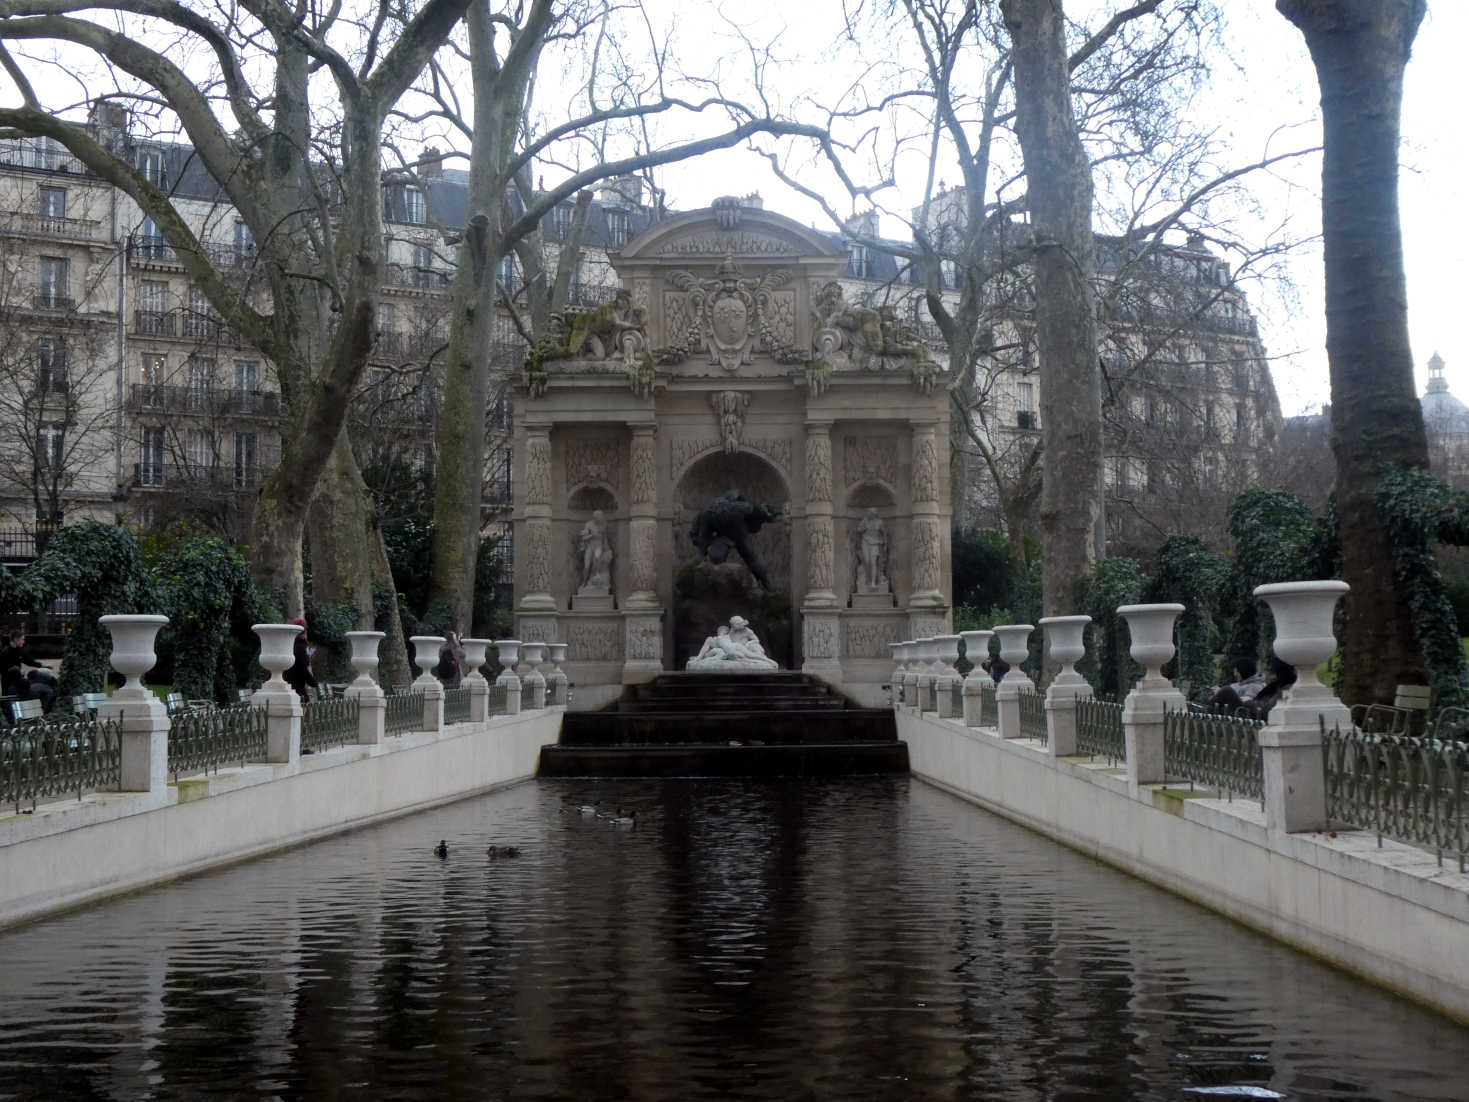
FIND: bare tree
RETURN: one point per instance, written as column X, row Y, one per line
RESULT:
column 284, row 107
column 1360, row 49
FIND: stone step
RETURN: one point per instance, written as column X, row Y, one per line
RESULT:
column 724, row 761
column 873, row 725
column 727, row 705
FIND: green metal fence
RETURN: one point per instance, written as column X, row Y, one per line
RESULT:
column 404, row 712
column 1033, row 716
column 498, row 695
column 328, row 723
column 456, row 706
column 989, row 708
column 1413, row 790
column 206, row 738
column 58, row 759
column 1099, row 729
column 1219, row 752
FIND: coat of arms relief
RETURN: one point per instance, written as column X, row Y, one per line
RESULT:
column 726, row 316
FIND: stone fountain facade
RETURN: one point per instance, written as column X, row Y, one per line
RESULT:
column 731, row 360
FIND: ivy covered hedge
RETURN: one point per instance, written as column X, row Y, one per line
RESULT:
column 207, row 594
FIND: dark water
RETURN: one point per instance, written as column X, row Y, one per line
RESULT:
column 841, row 940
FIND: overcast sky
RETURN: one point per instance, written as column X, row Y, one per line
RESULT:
column 1277, row 87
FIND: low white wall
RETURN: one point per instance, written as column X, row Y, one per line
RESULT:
column 1389, row 914
column 79, row 851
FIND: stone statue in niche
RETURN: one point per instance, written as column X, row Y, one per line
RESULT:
column 729, row 407
column 596, row 555
column 726, row 524
column 872, row 548
column 734, row 647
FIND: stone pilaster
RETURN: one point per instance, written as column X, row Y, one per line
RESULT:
column 821, row 625
column 928, row 536
column 535, row 548
column 643, row 612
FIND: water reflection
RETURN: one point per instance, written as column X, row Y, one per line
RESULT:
column 855, row 939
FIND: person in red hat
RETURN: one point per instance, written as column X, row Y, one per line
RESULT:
column 299, row 676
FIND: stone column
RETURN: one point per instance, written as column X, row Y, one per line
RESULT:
column 642, row 612
column 1151, row 628
column 976, row 651
column 425, row 654
column 474, row 681
column 535, row 547
column 141, row 718
column 927, row 547
column 1014, row 648
column 1066, row 643
column 820, row 616
column 372, row 705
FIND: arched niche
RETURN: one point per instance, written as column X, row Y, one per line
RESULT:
column 860, row 498
column 759, row 481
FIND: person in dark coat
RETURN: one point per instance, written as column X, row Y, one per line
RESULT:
column 14, row 681
column 299, row 676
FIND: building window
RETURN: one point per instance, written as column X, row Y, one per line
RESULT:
column 505, row 275
column 859, row 261
column 415, row 210
column 201, row 382
column 561, row 222
column 1241, row 421
column 49, row 442
column 244, row 245
column 55, row 289
column 155, row 368
column 52, row 201
column 247, row 468
column 1025, row 413
column 150, row 164
column 1122, row 475
column 51, row 361
column 1155, row 476
column 617, row 228
column 247, row 376
column 200, row 449
column 201, row 320
column 150, row 468
column 151, row 244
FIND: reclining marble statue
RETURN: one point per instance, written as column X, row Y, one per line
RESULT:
column 726, row 524
column 734, row 647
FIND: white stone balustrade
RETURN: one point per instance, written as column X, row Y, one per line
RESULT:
column 976, row 652
column 1151, row 628
column 141, row 718
column 426, row 650
column 1066, row 644
column 1292, row 762
column 927, row 654
column 508, row 652
column 479, row 689
column 282, row 705
column 910, row 674
column 533, row 685
column 558, row 685
column 372, row 704
column 1014, row 649
column 946, row 680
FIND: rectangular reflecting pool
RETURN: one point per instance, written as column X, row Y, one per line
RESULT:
column 843, row 939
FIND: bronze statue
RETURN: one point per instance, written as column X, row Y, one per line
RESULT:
column 728, row 523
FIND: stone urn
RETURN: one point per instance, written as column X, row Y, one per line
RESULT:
column 534, row 682
column 1151, row 629
column 426, row 656
column 276, row 653
column 1014, row 644
column 556, row 680
column 508, row 653
column 1066, row 644
column 1304, row 637
column 474, row 656
column 977, row 651
column 364, row 657
column 946, row 649
column 132, row 648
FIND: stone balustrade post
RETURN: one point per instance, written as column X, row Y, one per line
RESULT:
column 533, row 685
column 509, row 680
column 558, row 685
column 1151, row 628
column 141, row 718
column 923, row 680
column 372, row 704
column 474, row 681
column 947, row 679
column 282, row 706
column 426, row 650
column 1066, row 644
column 1292, row 762
column 976, row 651
column 1014, row 649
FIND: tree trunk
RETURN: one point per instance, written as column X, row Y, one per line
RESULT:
column 1360, row 48
column 1059, row 186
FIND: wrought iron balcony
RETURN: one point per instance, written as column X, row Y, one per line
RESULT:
column 48, row 299
column 205, row 400
column 49, row 225
column 155, row 323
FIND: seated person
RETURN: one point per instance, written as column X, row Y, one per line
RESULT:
column 1278, row 679
column 1248, row 681
column 15, row 680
